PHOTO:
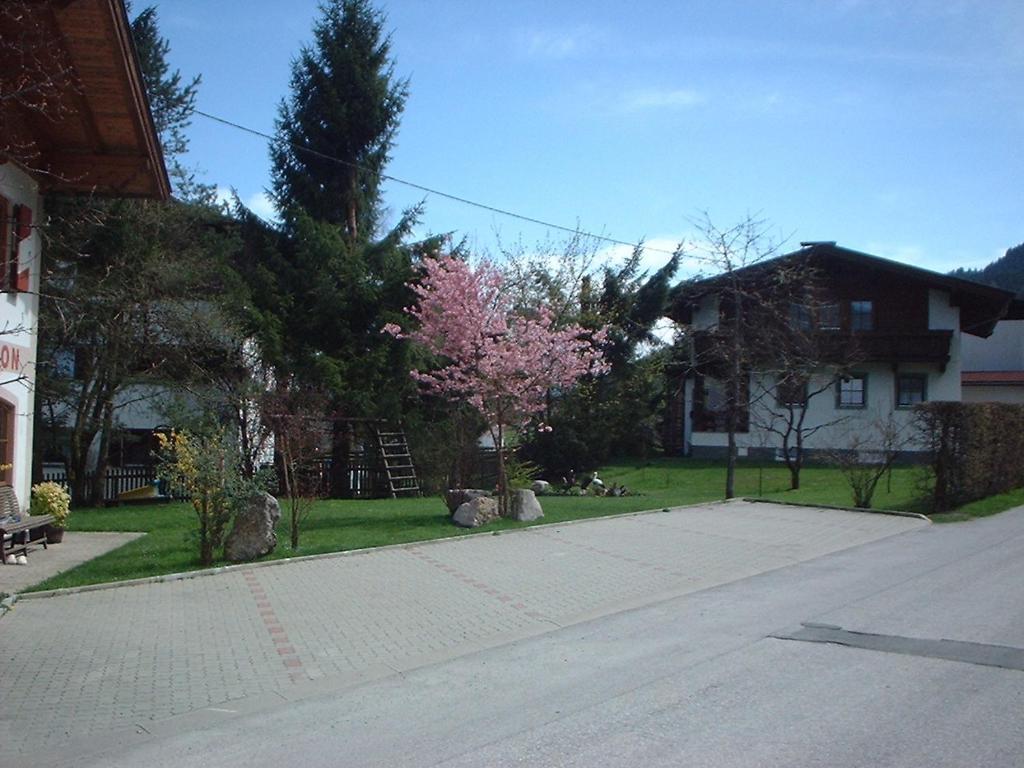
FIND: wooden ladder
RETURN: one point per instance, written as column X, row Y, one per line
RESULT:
column 398, row 466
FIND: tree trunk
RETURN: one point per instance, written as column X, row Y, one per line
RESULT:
column 341, row 453
column 503, row 494
column 99, row 480
column 794, row 477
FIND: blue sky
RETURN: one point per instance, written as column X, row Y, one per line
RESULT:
column 892, row 127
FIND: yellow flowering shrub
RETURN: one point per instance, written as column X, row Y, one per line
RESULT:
column 204, row 465
column 51, row 499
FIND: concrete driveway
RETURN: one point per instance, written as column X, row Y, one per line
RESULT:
column 82, row 671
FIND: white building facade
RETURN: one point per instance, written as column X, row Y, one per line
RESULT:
column 896, row 334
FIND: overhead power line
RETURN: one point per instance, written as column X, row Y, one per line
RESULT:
column 432, row 191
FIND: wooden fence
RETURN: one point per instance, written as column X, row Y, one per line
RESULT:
column 117, row 481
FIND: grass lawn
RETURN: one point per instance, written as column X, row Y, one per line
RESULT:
column 335, row 525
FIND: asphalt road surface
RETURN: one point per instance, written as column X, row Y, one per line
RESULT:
column 706, row 679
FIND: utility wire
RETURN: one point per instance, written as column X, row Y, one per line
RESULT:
column 431, row 190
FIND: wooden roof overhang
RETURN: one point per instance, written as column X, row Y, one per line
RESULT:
column 981, row 306
column 101, row 139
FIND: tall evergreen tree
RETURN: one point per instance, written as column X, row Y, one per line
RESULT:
column 336, row 276
column 336, row 129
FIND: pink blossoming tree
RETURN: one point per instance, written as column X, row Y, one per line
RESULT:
column 501, row 361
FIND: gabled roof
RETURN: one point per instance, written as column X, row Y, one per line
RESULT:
column 981, row 306
column 103, row 140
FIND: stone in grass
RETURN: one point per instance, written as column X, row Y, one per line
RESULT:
column 252, row 534
column 456, row 497
column 540, row 487
column 476, row 512
column 524, row 506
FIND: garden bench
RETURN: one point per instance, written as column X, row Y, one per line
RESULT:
column 19, row 534
column 28, row 530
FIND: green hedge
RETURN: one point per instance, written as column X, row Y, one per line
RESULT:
column 977, row 450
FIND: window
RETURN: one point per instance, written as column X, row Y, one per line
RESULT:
column 910, row 389
column 862, row 316
column 852, row 391
column 15, row 226
column 792, row 390
column 712, row 399
column 799, row 317
column 6, row 441
column 8, row 243
column 828, row 317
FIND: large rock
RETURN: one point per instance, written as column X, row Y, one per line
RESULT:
column 524, row 506
column 540, row 487
column 252, row 534
column 456, row 497
column 476, row 512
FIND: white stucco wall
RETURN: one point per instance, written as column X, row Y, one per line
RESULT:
column 19, row 312
column 845, row 426
column 989, row 394
column 1002, row 351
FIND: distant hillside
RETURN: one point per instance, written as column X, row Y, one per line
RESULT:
column 1007, row 272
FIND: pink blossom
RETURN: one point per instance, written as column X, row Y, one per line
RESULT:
column 500, row 361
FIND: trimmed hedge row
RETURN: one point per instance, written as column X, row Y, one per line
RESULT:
column 977, row 450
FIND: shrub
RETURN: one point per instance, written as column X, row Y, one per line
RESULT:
column 206, row 465
column 976, row 450
column 51, row 499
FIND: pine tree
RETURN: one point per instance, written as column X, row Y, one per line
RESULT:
column 337, row 128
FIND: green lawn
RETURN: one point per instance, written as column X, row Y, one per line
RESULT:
column 335, row 525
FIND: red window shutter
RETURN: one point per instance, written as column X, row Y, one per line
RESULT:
column 7, row 244
column 24, row 214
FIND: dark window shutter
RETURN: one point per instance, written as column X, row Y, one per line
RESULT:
column 18, row 278
column 7, row 241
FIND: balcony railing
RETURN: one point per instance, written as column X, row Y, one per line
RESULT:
column 851, row 348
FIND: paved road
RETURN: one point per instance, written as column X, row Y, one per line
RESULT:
column 695, row 680
column 103, row 668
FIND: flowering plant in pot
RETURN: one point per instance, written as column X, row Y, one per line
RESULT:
column 52, row 499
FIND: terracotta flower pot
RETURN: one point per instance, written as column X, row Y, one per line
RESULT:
column 54, row 535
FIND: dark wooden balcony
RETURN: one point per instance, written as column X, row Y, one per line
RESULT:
column 881, row 347
column 845, row 348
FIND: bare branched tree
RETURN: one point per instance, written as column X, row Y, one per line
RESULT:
column 869, row 453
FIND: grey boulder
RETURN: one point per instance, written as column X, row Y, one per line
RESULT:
column 252, row 534
column 456, row 497
column 541, row 487
column 524, row 506
column 476, row 512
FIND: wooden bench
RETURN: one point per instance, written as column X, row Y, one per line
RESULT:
column 28, row 530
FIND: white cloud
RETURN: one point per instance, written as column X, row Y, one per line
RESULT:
column 661, row 98
column 559, row 44
column 258, row 202
column 261, row 204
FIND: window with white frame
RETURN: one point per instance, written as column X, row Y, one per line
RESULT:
column 852, row 391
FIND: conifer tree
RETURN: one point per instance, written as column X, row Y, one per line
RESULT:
column 337, row 127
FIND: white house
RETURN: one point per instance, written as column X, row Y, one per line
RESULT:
column 891, row 336
column 93, row 134
column 993, row 368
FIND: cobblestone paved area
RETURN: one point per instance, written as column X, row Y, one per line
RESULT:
column 92, row 662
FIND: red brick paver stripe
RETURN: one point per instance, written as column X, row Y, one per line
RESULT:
column 285, row 650
column 487, row 589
